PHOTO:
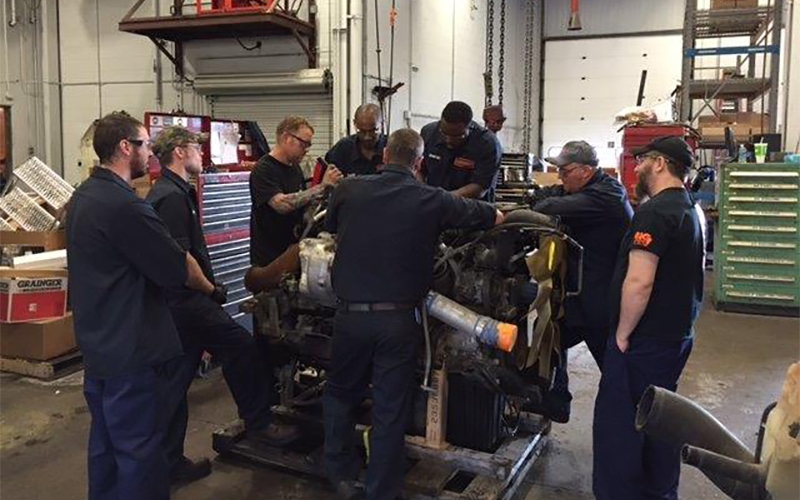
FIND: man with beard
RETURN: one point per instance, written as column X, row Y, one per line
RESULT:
column 595, row 207
column 362, row 152
column 203, row 325
column 278, row 191
column 656, row 294
column 121, row 261
column 460, row 155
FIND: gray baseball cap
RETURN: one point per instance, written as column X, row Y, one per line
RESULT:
column 575, row 152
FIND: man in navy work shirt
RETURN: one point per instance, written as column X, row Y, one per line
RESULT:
column 460, row 155
column 595, row 207
column 121, row 260
column 362, row 152
column 278, row 191
column 203, row 325
column 387, row 228
column 656, row 294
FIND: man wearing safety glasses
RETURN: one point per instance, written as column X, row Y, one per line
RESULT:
column 360, row 153
column 278, row 191
column 460, row 155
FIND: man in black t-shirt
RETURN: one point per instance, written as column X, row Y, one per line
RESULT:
column 656, row 294
column 278, row 191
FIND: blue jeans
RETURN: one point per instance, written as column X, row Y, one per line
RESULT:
column 627, row 464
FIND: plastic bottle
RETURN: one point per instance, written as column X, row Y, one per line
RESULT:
column 742, row 154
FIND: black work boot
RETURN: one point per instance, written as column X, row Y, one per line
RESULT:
column 275, row 434
column 187, row 471
column 349, row 490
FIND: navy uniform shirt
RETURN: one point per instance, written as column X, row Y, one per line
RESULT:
column 388, row 227
column 175, row 201
column 346, row 155
column 477, row 160
column 121, row 260
column 271, row 232
column 597, row 216
column 670, row 226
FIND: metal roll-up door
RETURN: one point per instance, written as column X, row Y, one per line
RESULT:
column 269, row 109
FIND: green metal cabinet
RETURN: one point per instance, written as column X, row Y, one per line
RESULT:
column 757, row 244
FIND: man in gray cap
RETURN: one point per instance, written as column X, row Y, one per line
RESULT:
column 595, row 207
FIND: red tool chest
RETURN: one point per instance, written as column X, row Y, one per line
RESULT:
column 636, row 136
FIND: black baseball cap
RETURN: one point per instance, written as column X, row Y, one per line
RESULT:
column 575, row 152
column 673, row 147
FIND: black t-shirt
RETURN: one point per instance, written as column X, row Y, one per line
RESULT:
column 346, row 155
column 271, row 232
column 670, row 226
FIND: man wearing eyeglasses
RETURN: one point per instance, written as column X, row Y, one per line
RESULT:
column 656, row 295
column 122, row 260
column 460, row 155
column 362, row 152
column 595, row 207
column 203, row 325
column 278, row 191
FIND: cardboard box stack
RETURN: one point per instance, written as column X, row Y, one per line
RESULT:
column 34, row 321
column 743, row 125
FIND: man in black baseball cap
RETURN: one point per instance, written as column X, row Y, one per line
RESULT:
column 595, row 207
column 655, row 297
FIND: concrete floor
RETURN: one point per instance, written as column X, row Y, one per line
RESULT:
column 736, row 369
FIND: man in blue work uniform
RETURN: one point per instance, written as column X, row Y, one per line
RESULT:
column 362, row 152
column 203, row 325
column 121, row 261
column 595, row 207
column 656, row 294
column 460, row 155
column 387, row 228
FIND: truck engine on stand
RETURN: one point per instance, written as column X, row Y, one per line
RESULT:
column 490, row 322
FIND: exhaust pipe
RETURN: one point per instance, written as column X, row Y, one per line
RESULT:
column 748, row 480
column 672, row 418
column 488, row 330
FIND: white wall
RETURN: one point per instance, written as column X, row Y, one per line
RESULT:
column 793, row 81
column 440, row 56
column 607, row 17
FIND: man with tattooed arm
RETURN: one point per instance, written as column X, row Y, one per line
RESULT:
column 278, row 191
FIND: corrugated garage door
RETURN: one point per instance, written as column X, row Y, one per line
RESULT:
column 268, row 110
column 586, row 82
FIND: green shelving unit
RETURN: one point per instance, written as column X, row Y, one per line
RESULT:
column 757, row 244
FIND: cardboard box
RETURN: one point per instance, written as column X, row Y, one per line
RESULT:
column 48, row 240
column 733, row 4
column 141, row 186
column 40, row 340
column 546, row 178
column 25, row 299
column 743, row 125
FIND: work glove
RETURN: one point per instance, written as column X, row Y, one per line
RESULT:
column 220, row 293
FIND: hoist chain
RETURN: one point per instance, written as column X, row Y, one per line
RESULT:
column 527, row 79
column 487, row 75
column 501, row 67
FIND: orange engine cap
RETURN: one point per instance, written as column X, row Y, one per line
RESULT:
column 506, row 336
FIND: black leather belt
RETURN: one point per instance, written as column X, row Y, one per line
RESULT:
column 375, row 306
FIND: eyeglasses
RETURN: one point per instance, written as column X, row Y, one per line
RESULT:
column 140, row 142
column 368, row 132
column 306, row 144
column 564, row 171
column 641, row 158
column 456, row 137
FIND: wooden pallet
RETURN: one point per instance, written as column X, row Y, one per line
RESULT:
column 50, row 369
column 450, row 472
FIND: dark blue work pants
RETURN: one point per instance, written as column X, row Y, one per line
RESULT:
column 627, row 464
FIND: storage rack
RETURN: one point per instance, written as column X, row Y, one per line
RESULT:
column 763, row 26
